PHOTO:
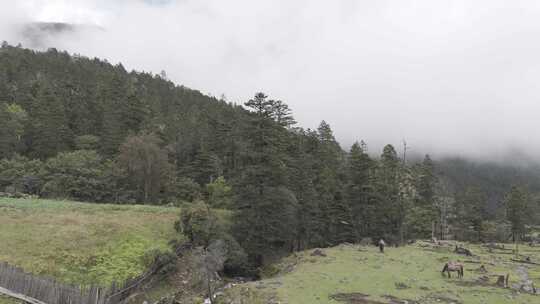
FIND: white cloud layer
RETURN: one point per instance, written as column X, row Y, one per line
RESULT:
column 450, row 77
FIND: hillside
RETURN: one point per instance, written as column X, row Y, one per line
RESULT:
column 494, row 178
column 82, row 243
column 86, row 130
column 6, row 300
column 350, row 274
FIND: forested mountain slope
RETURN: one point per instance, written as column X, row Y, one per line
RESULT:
column 68, row 96
column 493, row 178
column 81, row 128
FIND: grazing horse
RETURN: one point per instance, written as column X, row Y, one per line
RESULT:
column 453, row 266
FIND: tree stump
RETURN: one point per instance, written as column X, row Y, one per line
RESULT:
column 500, row 281
column 464, row 251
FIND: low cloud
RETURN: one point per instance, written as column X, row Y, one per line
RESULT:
column 450, row 77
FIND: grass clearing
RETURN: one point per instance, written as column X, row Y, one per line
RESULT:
column 82, row 242
column 8, row 300
column 410, row 273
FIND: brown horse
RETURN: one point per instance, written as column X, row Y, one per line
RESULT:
column 453, row 266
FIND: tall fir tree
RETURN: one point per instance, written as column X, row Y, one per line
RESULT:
column 50, row 132
column 6, row 136
column 358, row 188
column 330, row 180
column 422, row 216
column 517, row 211
column 390, row 211
column 265, row 220
column 471, row 212
column 114, row 129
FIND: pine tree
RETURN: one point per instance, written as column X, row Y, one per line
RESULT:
column 114, row 129
column 472, row 210
column 330, row 180
column 265, row 220
column 357, row 191
column 517, row 211
column 390, row 210
column 6, row 136
column 50, row 132
column 423, row 213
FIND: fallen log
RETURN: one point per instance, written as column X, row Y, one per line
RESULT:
column 502, row 281
column 464, row 251
column 19, row 296
column 524, row 262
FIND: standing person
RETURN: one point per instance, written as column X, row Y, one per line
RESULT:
column 381, row 245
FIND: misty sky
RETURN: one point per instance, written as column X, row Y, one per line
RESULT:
column 450, row 77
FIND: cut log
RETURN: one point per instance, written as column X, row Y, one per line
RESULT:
column 502, row 281
column 19, row 296
column 464, row 251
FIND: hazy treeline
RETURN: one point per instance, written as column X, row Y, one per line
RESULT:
column 80, row 128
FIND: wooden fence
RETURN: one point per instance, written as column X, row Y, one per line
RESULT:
column 49, row 291
column 42, row 290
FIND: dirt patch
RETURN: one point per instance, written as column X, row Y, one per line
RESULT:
column 401, row 285
column 396, row 300
column 440, row 299
column 360, row 298
column 318, row 252
column 478, row 282
column 525, row 284
column 353, row 298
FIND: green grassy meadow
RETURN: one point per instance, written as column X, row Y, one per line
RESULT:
column 7, row 300
column 82, row 243
column 410, row 273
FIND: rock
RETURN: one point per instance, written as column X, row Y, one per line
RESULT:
column 502, row 281
column 483, row 279
column 367, row 241
column 318, row 252
column 400, row 285
column 464, row 251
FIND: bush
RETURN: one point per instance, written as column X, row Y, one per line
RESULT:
column 87, row 142
column 198, row 224
column 236, row 262
column 77, row 175
column 167, row 260
column 19, row 174
column 184, row 190
column 219, row 194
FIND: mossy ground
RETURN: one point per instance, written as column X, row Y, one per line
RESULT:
column 7, row 300
column 410, row 273
column 82, row 243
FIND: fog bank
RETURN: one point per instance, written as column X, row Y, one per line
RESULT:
column 450, row 77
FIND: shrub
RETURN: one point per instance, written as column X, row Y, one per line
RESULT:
column 166, row 259
column 19, row 174
column 87, row 142
column 184, row 190
column 77, row 175
column 219, row 193
column 198, row 224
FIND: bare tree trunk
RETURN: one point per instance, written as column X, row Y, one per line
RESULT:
column 209, row 286
column 401, row 242
column 432, row 230
column 146, row 190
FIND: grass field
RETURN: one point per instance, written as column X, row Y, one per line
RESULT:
column 354, row 274
column 81, row 242
column 6, row 300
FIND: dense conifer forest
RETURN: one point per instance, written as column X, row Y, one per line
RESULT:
column 81, row 128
